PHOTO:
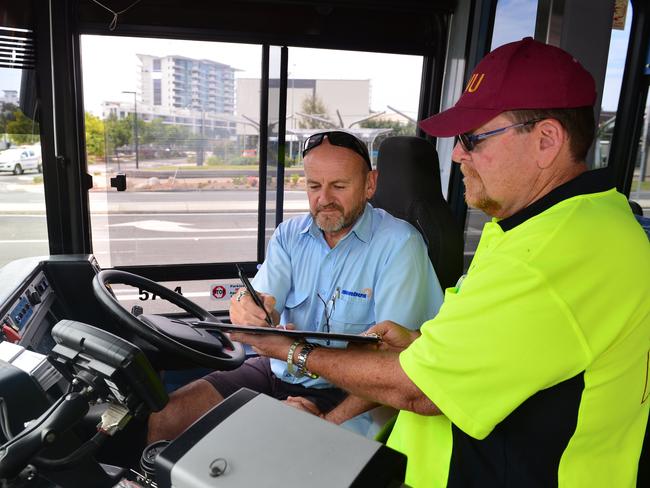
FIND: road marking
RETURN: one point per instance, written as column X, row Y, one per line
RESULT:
column 105, row 215
column 168, row 226
column 12, row 187
column 25, row 241
column 185, row 214
column 130, row 239
column 22, row 216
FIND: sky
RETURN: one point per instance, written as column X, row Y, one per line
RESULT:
column 109, row 64
column 515, row 19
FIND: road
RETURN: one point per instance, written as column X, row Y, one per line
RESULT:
column 149, row 228
column 159, row 227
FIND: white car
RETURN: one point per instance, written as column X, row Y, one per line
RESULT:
column 19, row 159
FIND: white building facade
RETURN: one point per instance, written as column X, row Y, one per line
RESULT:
column 178, row 82
column 10, row 96
column 345, row 101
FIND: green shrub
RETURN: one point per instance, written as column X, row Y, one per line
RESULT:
column 238, row 180
column 243, row 160
column 213, row 160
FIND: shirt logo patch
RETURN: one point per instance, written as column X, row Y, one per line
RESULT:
column 366, row 293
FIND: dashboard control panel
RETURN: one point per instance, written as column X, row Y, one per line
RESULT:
column 24, row 308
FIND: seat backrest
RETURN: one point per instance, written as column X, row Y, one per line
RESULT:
column 408, row 187
column 637, row 210
column 636, row 207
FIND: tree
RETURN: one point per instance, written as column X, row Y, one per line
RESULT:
column 94, row 136
column 6, row 115
column 176, row 135
column 314, row 106
column 399, row 128
column 160, row 134
column 22, row 128
column 152, row 132
column 118, row 131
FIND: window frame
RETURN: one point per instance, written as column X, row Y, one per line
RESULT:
column 64, row 160
column 66, row 178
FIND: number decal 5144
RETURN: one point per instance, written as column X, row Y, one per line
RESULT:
column 146, row 295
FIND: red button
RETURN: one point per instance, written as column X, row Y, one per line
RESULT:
column 10, row 334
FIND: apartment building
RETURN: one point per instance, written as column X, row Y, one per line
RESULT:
column 179, row 82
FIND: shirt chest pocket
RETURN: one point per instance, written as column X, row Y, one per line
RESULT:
column 296, row 309
column 352, row 316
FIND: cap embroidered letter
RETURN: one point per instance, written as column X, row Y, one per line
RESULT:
column 474, row 82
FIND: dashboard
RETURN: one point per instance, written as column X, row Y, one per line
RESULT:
column 35, row 293
column 32, row 305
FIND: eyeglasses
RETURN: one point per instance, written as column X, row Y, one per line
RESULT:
column 329, row 307
column 338, row 138
column 469, row 141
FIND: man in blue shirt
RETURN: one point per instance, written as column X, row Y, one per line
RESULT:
column 341, row 268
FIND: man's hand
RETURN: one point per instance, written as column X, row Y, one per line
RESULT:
column 243, row 310
column 394, row 337
column 302, row 403
column 270, row 345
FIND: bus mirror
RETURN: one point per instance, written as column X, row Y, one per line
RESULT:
column 119, row 182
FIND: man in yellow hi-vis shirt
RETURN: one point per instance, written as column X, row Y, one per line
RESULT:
column 535, row 370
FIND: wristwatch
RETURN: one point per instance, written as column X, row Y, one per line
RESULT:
column 301, row 362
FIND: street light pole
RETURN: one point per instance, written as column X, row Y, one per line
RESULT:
column 135, row 125
column 199, row 160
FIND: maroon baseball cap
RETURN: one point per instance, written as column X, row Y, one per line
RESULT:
column 521, row 75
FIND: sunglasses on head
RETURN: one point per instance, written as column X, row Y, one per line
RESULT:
column 338, row 138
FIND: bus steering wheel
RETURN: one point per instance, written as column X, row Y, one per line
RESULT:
column 208, row 349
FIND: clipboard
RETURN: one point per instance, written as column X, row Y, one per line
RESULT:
column 297, row 334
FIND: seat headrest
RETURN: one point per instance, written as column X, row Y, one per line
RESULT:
column 408, row 170
column 408, row 187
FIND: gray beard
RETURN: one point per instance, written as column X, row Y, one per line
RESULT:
column 328, row 224
column 336, row 224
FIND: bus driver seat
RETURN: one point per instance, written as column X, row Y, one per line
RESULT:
column 408, row 187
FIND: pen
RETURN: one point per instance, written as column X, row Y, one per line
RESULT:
column 256, row 298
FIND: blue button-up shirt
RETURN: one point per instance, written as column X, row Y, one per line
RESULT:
column 379, row 271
